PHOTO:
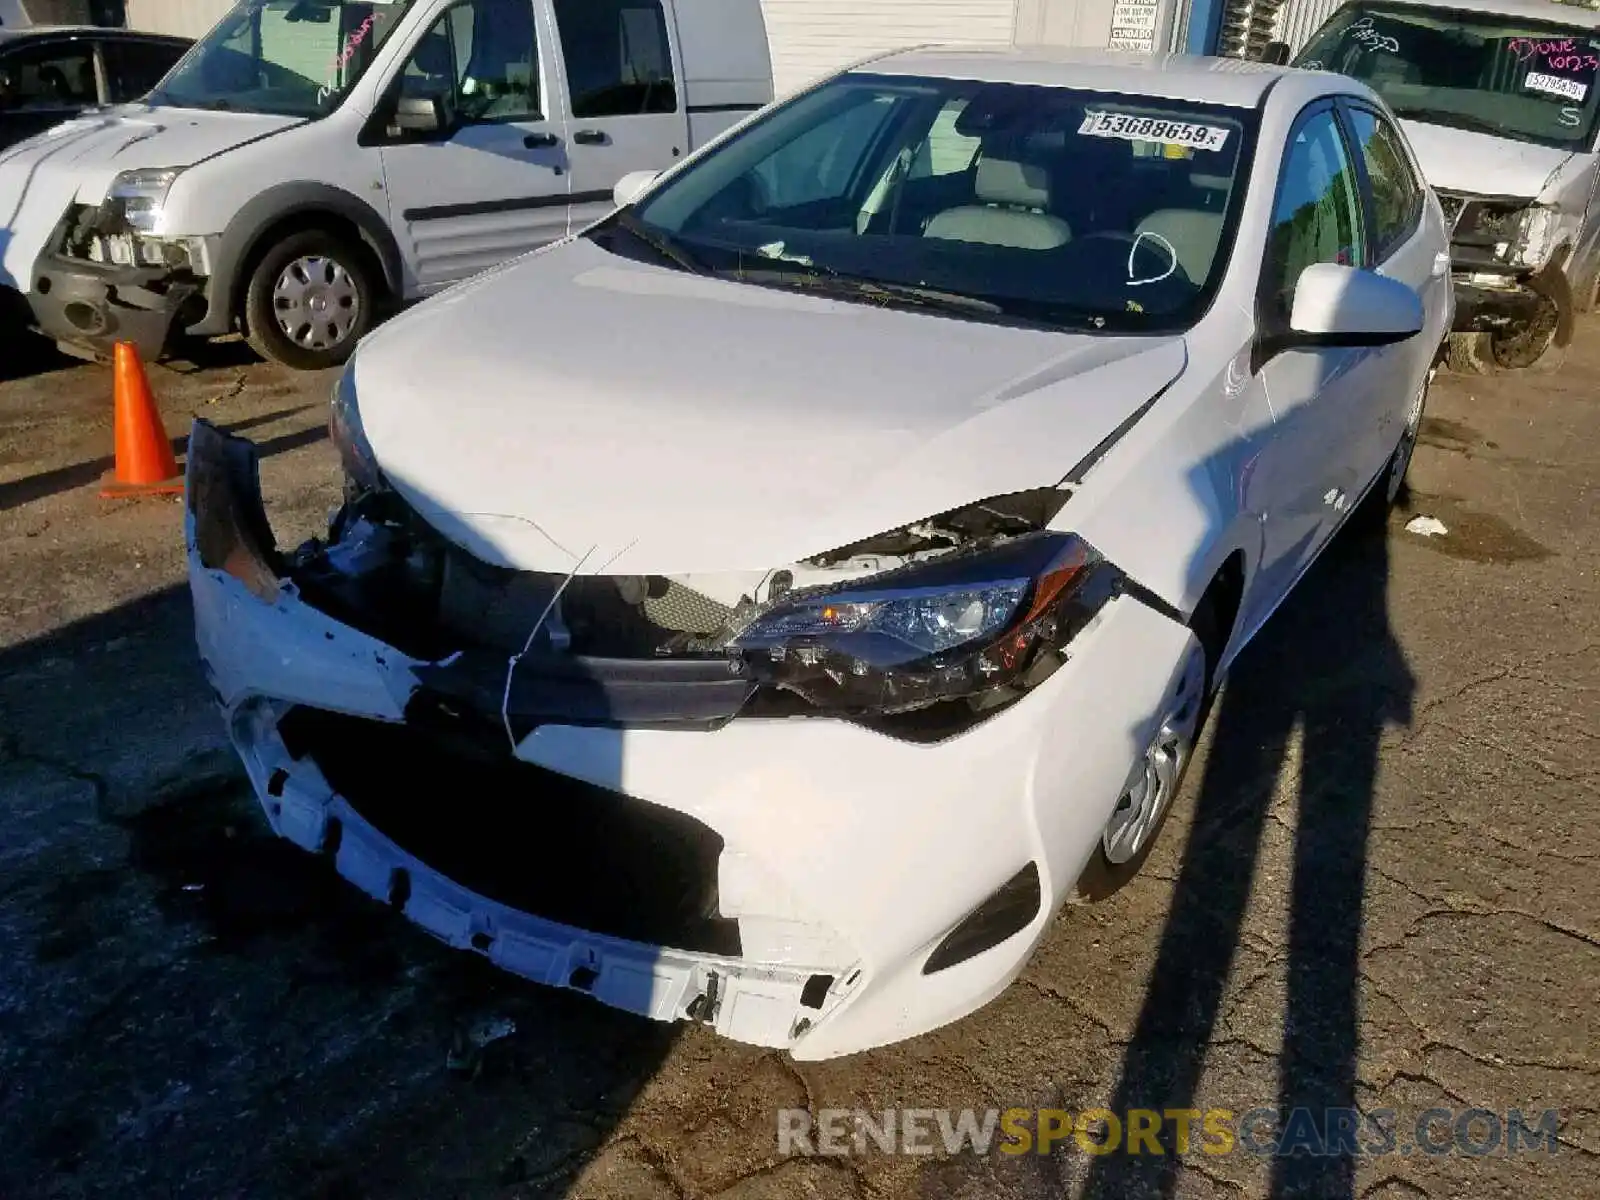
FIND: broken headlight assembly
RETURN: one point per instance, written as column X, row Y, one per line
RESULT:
column 140, row 197
column 1510, row 232
column 967, row 633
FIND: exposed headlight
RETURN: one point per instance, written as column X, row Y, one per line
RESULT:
column 344, row 428
column 1535, row 236
column 981, row 627
column 923, row 620
column 141, row 196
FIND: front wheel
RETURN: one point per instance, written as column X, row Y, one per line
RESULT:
column 309, row 301
column 1155, row 779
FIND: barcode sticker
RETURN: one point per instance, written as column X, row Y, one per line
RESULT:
column 1555, row 85
column 1154, row 129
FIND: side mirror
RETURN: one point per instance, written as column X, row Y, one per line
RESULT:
column 419, row 115
column 1345, row 306
column 631, row 186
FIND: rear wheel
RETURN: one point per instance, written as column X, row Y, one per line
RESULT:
column 1390, row 488
column 309, row 301
column 1156, row 778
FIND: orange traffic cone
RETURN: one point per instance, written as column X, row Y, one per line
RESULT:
column 145, row 466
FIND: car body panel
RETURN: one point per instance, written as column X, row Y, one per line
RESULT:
column 585, row 413
column 831, row 447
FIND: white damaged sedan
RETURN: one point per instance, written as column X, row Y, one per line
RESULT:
column 768, row 606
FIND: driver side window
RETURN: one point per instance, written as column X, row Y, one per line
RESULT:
column 481, row 59
column 821, row 164
column 1317, row 217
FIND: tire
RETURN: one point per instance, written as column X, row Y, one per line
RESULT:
column 1389, row 489
column 310, row 299
column 1471, row 354
column 1109, row 872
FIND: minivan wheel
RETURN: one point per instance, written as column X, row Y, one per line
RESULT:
column 309, row 300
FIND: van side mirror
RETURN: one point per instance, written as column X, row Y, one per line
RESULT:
column 1335, row 305
column 1275, row 53
column 419, row 115
column 631, row 186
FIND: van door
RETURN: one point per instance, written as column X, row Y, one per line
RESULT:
column 491, row 182
column 621, row 64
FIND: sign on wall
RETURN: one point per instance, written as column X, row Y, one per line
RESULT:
column 1133, row 25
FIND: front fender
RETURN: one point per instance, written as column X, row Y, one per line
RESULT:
column 253, row 224
column 1166, row 503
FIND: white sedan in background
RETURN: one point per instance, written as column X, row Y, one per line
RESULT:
column 767, row 607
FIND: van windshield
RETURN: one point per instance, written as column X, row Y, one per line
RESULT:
column 297, row 58
column 1531, row 81
column 966, row 198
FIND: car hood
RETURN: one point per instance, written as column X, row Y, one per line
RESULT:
column 1462, row 160
column 78, row 159
column 578, row 407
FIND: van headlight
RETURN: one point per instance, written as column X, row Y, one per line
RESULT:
column 141, row 197
column 349, row 438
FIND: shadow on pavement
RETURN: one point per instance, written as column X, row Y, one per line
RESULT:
column 83, row 474
column 196, row 1008
column 1326, row 668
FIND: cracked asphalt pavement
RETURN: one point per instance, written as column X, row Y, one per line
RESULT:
column 1379, row 888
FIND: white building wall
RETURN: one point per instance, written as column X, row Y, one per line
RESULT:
column 1299, row 19
column 811, row 38
column 187, row 18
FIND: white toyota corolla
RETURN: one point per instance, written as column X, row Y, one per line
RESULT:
column 768, row 606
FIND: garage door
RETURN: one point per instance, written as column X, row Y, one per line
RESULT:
column 813, row 37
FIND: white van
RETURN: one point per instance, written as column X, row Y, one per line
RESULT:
column 311, row 163
column 1501, row 101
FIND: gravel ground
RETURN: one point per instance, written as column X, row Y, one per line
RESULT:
column 1379, row 888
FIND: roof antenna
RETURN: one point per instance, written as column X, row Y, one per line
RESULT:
column 511, row 663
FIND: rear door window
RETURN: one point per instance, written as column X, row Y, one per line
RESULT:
column 618, row 57
column 1397, row 194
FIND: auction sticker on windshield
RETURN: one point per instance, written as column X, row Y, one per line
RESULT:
column 1153, row 129
column 1555, row 85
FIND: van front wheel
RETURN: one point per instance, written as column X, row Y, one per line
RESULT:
column 309, row 301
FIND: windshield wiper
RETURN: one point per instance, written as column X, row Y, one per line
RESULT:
column 830, row 283
column 660, row 242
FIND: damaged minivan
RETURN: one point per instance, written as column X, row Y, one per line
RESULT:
column 1499, row 99
column 768, row 607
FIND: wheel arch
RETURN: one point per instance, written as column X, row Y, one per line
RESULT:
column 276, row 213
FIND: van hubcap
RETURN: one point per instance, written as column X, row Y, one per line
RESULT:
column 1155, row 777
column 316, row 302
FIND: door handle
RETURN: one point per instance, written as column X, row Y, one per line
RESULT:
column 590, row 137
column 541, row 141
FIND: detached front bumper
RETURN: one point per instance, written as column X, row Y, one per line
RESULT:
column 93, row 305
column 818, row 864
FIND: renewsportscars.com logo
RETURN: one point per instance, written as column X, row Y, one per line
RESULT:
column 1263, row 1132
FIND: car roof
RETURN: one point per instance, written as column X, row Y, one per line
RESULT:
column 1234, row 82
column 1525, row 10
